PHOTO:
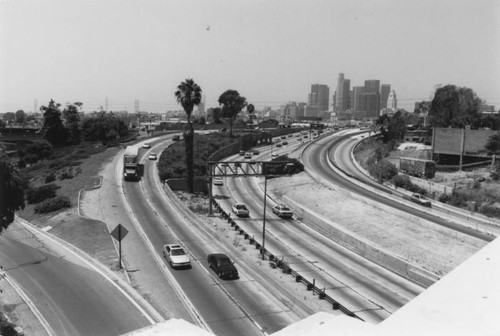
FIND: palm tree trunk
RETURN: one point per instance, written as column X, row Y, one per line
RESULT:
column 188, row 139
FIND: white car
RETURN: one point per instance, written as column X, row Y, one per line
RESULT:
column 240, row 210
column 146, row 145
column 175, row 255
column 420, row 199
column 152, row 156
column 248, row 155
column 218, row 181
column 282, row 211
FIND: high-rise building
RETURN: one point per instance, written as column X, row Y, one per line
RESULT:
column 342, row 99
column 372, row 85
column 392, row 101
column 319, row 97
column 359, row 98
column 385, row 89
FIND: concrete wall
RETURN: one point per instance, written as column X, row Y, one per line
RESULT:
column 362, row 247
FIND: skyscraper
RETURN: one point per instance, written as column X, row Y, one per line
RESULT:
column 359, row 98
column 385, row 89
column 372, row 97
column 342, row 98
column 319, row 97
column 392, row 101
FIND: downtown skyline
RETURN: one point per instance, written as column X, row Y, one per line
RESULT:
column 270, row 52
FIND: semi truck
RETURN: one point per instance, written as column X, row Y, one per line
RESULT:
column 417, row 167
column 131, row 163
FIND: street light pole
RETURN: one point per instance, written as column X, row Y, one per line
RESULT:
column 264, row 218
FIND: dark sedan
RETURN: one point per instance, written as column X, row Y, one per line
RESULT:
column 222, row 266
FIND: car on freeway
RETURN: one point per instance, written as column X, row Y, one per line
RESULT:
column 283, row 137
column 240, row 210
column 218, row 181
column 282, row 211
column 242, row 152
column 176, row 256
column 222, row 265
column 284, row 143
column 278, row 145
column 420, row 199
column 152, row 156
column 248, row 155
column 274, row 155
column 176, row 138
column 146, row 145
column 256, row 152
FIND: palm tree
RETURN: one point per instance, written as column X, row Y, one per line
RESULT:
column 188, row 94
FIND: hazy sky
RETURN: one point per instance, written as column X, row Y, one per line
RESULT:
column 271, row 51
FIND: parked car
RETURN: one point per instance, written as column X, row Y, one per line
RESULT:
column 420, row 199
column 248, row 155
column 240, row 210
column 146, row 145
column 152, row 156
column 282, row 211
column 175, row 255
column 222, row 266
column 218, row 181
column 176, row 138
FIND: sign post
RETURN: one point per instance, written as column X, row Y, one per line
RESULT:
column 119, row 232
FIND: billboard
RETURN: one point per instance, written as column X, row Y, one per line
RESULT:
column 459, row 141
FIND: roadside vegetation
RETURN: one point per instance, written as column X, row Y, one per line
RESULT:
column 451, row 107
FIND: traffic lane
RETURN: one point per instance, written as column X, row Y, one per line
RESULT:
column 248, row 293
column 327, row 173
column 72, row 299
column 245, row 292
column 222, row 314
column 334, row 266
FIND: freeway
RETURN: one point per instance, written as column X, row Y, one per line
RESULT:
column 341, row 159
column 370, row 291
column 243, row 306
column 72, row 298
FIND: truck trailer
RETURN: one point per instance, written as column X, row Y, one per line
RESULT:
column 131, row 163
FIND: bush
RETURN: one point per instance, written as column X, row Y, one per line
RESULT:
column 41, row 193
column 66, row 175
column 490, row 211
column 53, row 204
column 51, row 177
column 382, row 170
column 403, row 181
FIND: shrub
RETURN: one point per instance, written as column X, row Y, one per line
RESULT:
column 382, row 170
column 37, row 195
column 66, row 175
column 51, row 177
column 21, row 163
column 490, row 211
column 53, row 204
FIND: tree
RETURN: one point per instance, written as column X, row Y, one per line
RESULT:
column 493, row 144
column 53, row 128
column 188, row 94
column 250, row 110
column 72, row 122
column 20, row 117
column 104, row 127
column 214, row 114
column 232, row 104
column 454, row 106
column 11, row 191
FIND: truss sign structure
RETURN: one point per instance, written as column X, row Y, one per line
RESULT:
column 243, row 168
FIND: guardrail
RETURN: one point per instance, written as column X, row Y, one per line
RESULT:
column 280, row 263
